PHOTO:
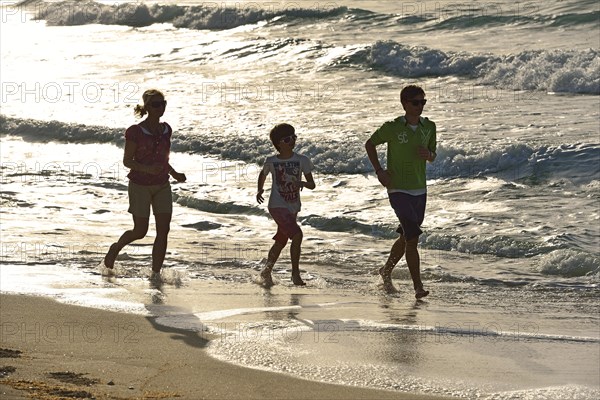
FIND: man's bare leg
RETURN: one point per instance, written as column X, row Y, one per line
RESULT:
column 396, row 254
column 414, row 266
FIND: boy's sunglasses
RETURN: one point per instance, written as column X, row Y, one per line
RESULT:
column 289, row 139
column 418, row 102
column 158, row 104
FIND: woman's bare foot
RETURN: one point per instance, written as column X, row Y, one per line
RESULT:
column 297, row 280
column 420, row 293
column 267, row 279
column 111, row 256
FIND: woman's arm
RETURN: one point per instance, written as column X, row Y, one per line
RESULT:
column 130, row 162
column 179, row 177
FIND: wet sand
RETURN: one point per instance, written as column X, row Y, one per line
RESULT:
column 53, row 350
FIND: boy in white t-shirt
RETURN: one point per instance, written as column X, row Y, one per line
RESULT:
column 287, row 169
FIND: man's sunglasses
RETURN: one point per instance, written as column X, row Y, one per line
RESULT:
column 289, row 139
column 418, row 102
column 158, row 104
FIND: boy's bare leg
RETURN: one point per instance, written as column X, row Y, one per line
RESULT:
column 140, row 228
column 295, row 249
column 413, row 261
column 396, row 254
column 271, row 260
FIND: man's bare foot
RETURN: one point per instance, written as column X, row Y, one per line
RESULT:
column 420, row 293
column 297, row 280
column 386, row 276
column 267, row 279
column 111, row 256
column 389, row 287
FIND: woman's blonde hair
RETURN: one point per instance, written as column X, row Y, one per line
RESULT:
column 140, row 110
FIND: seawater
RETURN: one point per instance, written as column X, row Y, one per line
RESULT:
column 512, row 218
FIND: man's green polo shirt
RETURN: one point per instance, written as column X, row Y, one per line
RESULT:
column 406, row 168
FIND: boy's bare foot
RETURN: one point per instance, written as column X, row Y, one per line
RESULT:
column 266, row 277
column 298, row 281
column 111, row 256
column 420, row 293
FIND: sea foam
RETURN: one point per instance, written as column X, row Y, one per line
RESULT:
column 541, row 164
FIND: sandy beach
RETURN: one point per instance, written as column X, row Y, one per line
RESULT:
column 61, row 351
column 509, row 250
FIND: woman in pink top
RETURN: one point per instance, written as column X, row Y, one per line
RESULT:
column 147, row 147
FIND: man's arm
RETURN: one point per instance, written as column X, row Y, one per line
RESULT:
column 382, row 174
column 426, row 154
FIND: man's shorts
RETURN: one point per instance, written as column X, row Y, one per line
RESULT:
column 141, row 197
column 287, row 226
column 410, row 211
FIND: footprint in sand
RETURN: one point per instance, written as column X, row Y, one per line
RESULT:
column 8, row 353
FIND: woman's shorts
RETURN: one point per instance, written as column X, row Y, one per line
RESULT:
column 287, row 226
column 141, row 197
column 410, row 211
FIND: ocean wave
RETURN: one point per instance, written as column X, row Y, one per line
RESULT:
column 457, row 16
column 556, row 256
column 569, row 263
column 575, row 164
column 210, row 16
column 497, row 245
column 346, row 224
column 215, row 16
column 482, row 19
column 37, row 130
column 558, row 71
column 566, row 71
column 215, row 207
column 372, row 326
column 569, row 163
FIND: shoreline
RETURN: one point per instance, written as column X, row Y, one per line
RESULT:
column 65, row 351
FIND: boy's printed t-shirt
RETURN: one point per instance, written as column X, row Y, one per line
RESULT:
column 285, row 173
column 406, row 168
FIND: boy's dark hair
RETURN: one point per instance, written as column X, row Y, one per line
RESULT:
column 410, row 92
column 280, row 131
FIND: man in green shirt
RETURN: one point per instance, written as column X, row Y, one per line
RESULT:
column 411, row 142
